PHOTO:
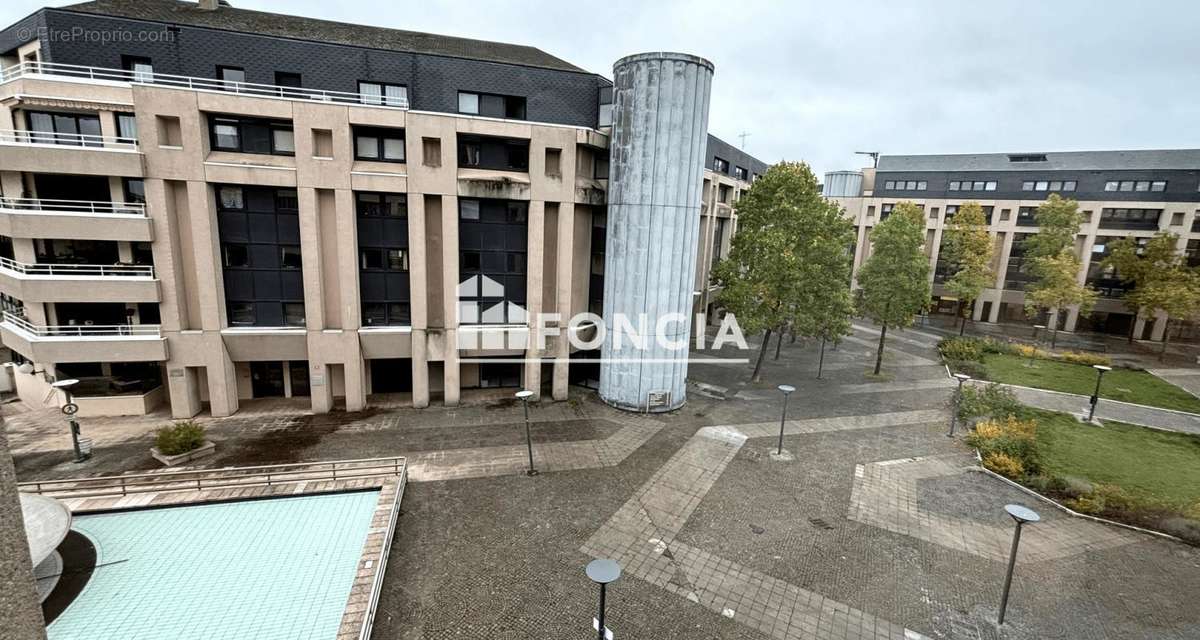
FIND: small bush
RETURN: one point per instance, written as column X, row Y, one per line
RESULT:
column 994, row 346
column 1084, row 358
column 1004, row 465
column 976, row 370
column 961, row 349
column 1183, row 528
column 178, row 438
column 1076, row 487
column 1090, row 504
column 1030, row 351
column 989, row 401
column 1117, row 498
column 1011, row 436
column 1046, row 483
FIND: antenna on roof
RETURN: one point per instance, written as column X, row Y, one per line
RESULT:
column 874, row 157
column 743, row 135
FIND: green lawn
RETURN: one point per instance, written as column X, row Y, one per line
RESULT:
column 1161, row 464
column 1125, row 385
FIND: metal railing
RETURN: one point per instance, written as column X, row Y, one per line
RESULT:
column 26, row 69
column 206, row 479
column 82, row 270
column 81, row 330
column 26, row 136
column 94, row 207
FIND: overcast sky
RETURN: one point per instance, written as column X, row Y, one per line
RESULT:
column 817, row 82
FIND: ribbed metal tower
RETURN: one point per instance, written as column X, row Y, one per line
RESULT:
column 660, row 132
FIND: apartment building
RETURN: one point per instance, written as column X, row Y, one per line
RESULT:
column 203, row 204
column 1120, row 194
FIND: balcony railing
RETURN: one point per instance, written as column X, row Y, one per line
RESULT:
column 82, row 330
column 23, row 136
column 68, row 207
column 26, row 69
column 78, row 270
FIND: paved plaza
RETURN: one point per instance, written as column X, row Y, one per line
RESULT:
column 873, row 524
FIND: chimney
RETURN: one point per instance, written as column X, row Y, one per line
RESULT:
column 208, row 5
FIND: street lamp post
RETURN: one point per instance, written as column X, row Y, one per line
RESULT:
column 1100, row 369
column 602, row 572
column 787, row 390
column 961, row 377
column 69, row 409
column 524, row 395
column 1020, row 515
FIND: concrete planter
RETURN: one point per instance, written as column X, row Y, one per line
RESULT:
column 205, row 449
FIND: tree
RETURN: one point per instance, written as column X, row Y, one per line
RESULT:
column 789, row 261
column 1057, row 287
column 968, row 246
column 895, row 279
column 1058, row 221
column 1161, row 277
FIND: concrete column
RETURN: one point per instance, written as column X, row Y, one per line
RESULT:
column 1139, row 326
column 202, row 213
column 125, row 251
column 1085, row 254
column 168, row 261
column 311, row 261
column 450, row 279
column 563, row 287
column 319, row 386
column 535, row 258
column 1160, row 326
column 19, row 606
column 222, row 379
column 183, row 385
column 356, row 381
column 418, row 287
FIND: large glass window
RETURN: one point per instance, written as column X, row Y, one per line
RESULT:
column 64, row 128
column 372, row 143
column 492, row 261
column 491, row 105
column 251, row 135
column 383, row 93
column 383, row 258
column 483, row 152
column 259, row 231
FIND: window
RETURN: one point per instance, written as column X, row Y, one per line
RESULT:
column 1111, row 185
column 293, row 314
column 889, row 185
column 1177, row 219
column 140, row 68
column 721, row 166
column 235, row 255
column 1029, row 157
column 431, row 152
column 1125, row 218
column 492, row 240
column 287, row 79
column 491, row 105
column 287, row 200
column 383, row 93
column 289, row 257
column 372, row 143
column 1126, row 185
column 230, row 198
column 739, row 173
column 231, row 77
column 953, row 186
column 553, row 162
column 64, row 128
column 135, row 190
column 972, row 185
column 384, row 259
column 481, row 152
column 1158, row 185
column 388, row 205
column 127, row 127
column 251, row 135
column 241, row 314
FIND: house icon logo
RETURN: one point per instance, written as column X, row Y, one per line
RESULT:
column 481, row 302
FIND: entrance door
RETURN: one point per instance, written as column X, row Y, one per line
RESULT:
column 299, row 372
column 391, row 375
column 266, row 379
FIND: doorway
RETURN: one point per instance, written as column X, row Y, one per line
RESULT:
column 298, row 370
column 266, row 379
column 391, row 375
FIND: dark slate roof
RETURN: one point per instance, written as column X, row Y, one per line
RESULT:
column 734, row 155
column 1055, row 161
column 275, row 24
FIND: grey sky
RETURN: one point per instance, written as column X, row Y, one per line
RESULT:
column 818, row 81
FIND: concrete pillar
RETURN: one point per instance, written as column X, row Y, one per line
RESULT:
column 657, row 153
column 222, row 380
column 20, row 608
column 451, row 376
column 183, row 385
column 563, row 287
column 356, row 380
column 319, row 387
column 1139, row 326
column 534, row 261
column 418, row 288
column 1160, row 326
column 1085, row 254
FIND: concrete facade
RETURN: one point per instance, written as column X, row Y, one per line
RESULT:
column 19, row 605
column 158, row 209
column 1120, row 194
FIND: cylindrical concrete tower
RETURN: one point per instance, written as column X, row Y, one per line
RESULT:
column 657, row 149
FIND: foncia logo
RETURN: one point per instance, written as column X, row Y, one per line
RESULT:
column 490, row 320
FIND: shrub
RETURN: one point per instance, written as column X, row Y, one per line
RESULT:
column 178, row 438
column 1046, row 483
column 961, row 349
column 1084, row 358
column 1004, row 465
column 1014, row 438
column 1030, row 351
column 1076, row 487
column 1117, row 498
column 1090, row 504
column 992, row 345
column 988, row 401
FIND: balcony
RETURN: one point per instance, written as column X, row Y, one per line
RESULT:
column 54, row 71
column 78, row 282
column 81, row 153
column 83, row 343
column 77, row 219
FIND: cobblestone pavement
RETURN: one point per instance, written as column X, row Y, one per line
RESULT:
column 719, row 539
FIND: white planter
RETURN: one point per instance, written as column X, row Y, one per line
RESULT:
column 205, row 449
